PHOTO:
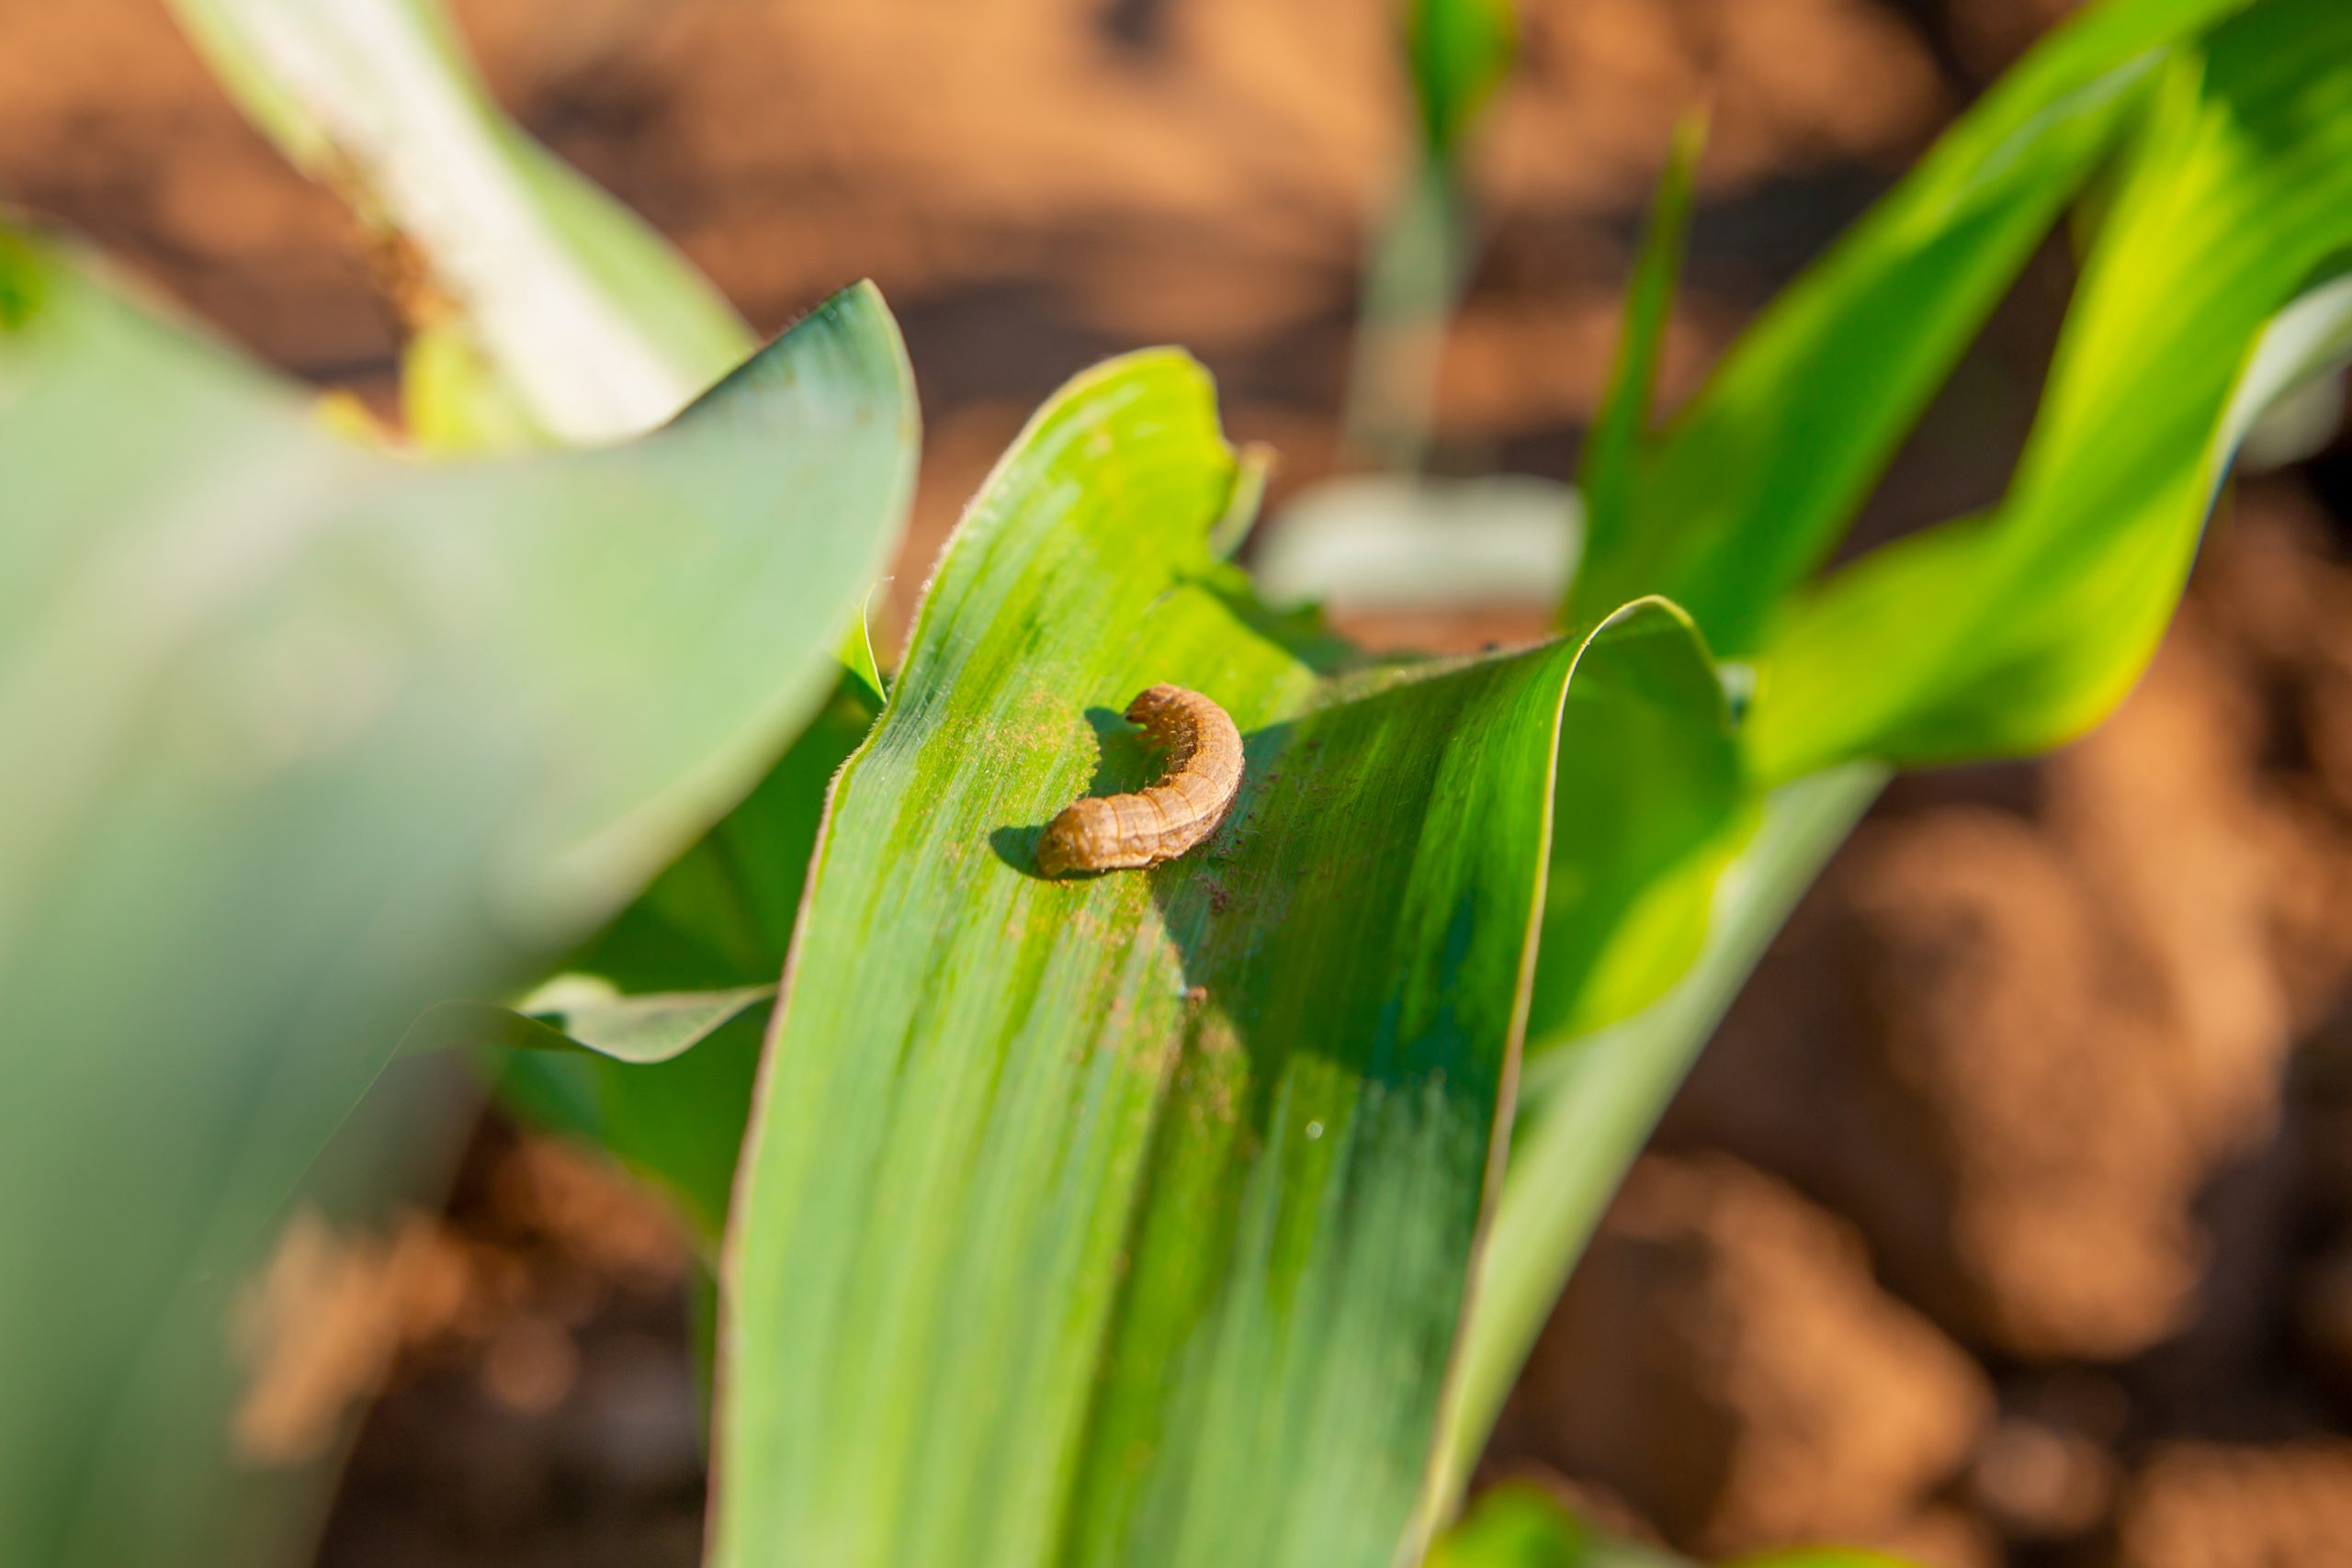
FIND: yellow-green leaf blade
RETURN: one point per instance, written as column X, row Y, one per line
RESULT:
column 2216, row 280
column 1757, row 478
column 1126, row 1220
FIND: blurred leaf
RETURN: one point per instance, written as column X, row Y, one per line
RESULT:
column 343, row 413
column 1517, row 1525
column 322, row 737
column 1522, row 1526
column 1459, row 51
column 22, row 273
column 579, row 1012
column 583, row 1060
column 722, row 914
column 1624, row 421
column 677, row 1122
column 1126, row 1220
column 376, row 98
column 720, row 917
column 454, row 402
column 2303, row 420
column 2008, row 633
column 1247, row 505
column 1403, row 542
column 600, row 328
column 1588, row 1104
column 1413, row 277
column 1756, row 479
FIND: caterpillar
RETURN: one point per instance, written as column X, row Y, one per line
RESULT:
column 1126, row 832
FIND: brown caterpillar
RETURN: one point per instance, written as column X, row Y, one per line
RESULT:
column 1123, row 831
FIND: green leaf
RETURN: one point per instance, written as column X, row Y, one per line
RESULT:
column 1459, row 51
column 1128, row 1219
column 322, row 737
column 716, row 923
column 1522, row 1526
column 1648, row 804
column 722, row 914
column 21, row 272
column 580, row 1012
column 1515, row 1526
column 2012, row 632
column 613, row 1071
column 1623, row 421
column 378, row 100
column 1758, row 479
column 1588, row 1104
column 677, row 1124
column 595, row 324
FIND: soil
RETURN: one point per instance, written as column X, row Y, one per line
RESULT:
column 2010, row 1217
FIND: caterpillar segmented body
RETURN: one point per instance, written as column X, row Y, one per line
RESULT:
column 1122, row 833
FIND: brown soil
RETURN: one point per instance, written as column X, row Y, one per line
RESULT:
column 1723, row 1365
column 542, row 1405
column 2050, row 1029
column 2198, row 1505
column 2010, row 1219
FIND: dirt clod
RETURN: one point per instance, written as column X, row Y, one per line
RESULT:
column 2040, row 1480
column 2043, row 1034
column 1724, row 1362
column 2200, row 1505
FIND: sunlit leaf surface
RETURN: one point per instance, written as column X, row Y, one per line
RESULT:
column 1126, row 1220
column 2016, row 630
column 1756, row 480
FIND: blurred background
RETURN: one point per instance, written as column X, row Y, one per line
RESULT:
column 2009, row 1220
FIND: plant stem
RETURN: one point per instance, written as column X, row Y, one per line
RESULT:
column 1412, row 282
